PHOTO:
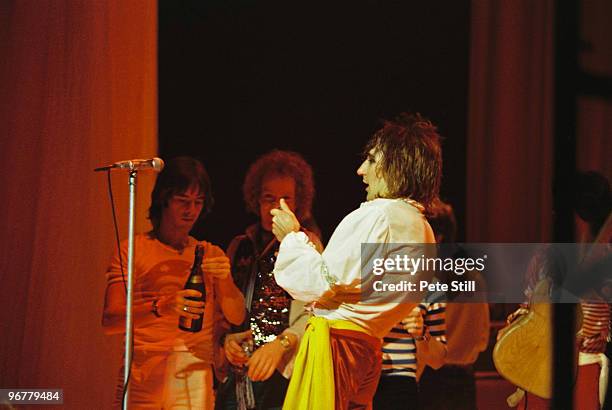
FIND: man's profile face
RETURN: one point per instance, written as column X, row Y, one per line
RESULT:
column 183, row 209
column 376, row 186
column 273, row 188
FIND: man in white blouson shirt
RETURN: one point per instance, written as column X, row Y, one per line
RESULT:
column 402, row 173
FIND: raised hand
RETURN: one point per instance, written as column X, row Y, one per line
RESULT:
column 283, row 221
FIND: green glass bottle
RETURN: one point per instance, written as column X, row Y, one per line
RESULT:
column 196, row 282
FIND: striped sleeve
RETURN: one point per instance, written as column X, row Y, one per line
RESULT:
column 595, row 330
column 435, row 320
column 398, row 353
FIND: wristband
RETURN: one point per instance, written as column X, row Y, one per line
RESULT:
column 285, row 342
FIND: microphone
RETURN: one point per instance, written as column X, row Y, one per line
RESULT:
column 156, row 164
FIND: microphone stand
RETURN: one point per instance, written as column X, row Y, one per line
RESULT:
column 129, row 328
column 133, row 166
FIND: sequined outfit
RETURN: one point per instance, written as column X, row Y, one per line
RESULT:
column 270, row 312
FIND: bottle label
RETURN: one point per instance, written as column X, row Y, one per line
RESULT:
column 195, row 279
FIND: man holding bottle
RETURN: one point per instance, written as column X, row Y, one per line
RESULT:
column 172, row 367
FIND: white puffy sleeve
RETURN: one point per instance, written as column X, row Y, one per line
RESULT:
column 310, row 276
column 299, row 268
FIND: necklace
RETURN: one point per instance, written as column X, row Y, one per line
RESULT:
column 414, row 203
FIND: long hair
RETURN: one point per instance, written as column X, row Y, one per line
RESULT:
column 178, row 176
column 282, row 163
column 411, row 157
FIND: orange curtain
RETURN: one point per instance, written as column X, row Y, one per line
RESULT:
column 79, row 90
column 509, row 143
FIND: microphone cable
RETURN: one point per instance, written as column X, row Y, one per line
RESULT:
column 118, row 242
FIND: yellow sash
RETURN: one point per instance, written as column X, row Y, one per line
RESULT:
column 312, row 382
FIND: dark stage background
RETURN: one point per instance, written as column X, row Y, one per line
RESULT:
column 239, row 78
column 79, row 89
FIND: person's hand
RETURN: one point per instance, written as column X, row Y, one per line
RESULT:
column 216, row 267
column 511, row 318
column 265, row 360
column 414, row 323
column 516, row 314
column 179, row 305
column 283, row 221
column 233, row 347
